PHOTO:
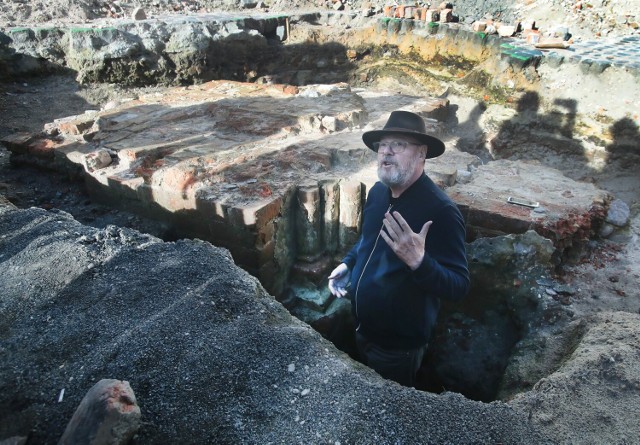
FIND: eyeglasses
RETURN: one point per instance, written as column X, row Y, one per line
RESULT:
column 395, row 146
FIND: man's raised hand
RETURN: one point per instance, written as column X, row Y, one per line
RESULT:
column 407, row 244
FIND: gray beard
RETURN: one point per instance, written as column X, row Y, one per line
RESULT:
column 398, row 178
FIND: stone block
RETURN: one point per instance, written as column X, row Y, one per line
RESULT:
column 139, row 14
column 446, row 15
column 443, row 174
column 18, row 142
column 308, row 216
column 568, row 217
column 329, row 123
column 432, row 15
column 75, row 125
column 108, row 414
column 330, row 196
column 599, row 65
column 256, row 214
column 479, row 26
column 351, row 197
column 316, row 300
column 97, row 160
column 618, row 213
column 554, row 59
column 506, row 31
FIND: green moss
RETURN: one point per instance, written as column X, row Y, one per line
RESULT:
column 17, row 30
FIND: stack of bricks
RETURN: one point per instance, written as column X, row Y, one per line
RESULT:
column 443, row 13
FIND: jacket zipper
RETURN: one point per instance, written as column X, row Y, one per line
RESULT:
column 375, row 244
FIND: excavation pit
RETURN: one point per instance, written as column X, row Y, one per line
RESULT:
column 277, row 173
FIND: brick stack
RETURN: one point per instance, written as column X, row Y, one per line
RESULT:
column 443, row 13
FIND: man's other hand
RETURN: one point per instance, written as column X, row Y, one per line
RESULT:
column 407, row 244
column 338, row 281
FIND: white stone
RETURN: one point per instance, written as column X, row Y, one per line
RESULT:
column 463, row 176
column 606, row 230
column 96, row 160
column 618, row 214
column 330, row 123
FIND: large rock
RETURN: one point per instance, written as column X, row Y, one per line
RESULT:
column 212, row 357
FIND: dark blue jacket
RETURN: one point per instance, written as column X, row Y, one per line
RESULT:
column 394, row 306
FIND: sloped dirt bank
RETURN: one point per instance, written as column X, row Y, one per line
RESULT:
column 212, row 358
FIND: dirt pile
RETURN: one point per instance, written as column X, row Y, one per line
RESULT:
column 212, row 357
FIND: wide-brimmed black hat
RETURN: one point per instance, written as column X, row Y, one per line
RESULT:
column 408, row 124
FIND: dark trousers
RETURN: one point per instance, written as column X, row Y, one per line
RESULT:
column 394, row 364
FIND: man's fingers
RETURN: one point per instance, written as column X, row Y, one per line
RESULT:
column 392, row 221
column 336, row 290
column 402, row 223
column 387, row 239
column 393, row 229
column 425, row 229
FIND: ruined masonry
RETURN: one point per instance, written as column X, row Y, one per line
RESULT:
column 278, row 173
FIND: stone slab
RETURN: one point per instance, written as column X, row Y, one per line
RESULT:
column 567, row 211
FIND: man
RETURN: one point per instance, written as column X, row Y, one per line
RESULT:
column 410, row 254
